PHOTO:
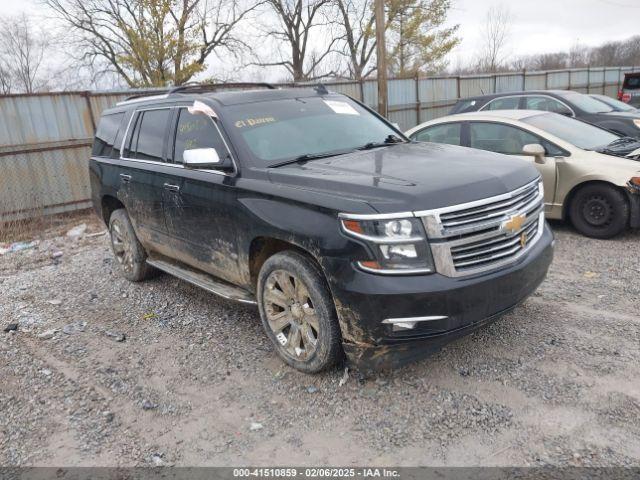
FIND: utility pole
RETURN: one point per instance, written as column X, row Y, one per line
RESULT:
column 381, row 51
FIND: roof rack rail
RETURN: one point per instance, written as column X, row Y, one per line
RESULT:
column 198, row 87
column 209, row 87
column 148, row 93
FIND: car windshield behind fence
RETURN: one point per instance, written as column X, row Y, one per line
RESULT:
column 282, row 130
column 578, row 133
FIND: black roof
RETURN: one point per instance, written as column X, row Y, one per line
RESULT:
column 252, row 96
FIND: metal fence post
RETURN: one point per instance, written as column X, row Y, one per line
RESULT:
column 418, row 105
column 87, row 97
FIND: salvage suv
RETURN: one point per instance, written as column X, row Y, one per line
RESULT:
column 350, row 238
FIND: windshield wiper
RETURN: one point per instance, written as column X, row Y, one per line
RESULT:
column 390, row 140
column 308, row 156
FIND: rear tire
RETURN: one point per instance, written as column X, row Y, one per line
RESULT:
column 599, row 211
column 130, row 254
column 298, row 313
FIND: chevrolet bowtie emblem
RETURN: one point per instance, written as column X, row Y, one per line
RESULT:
column 514, row 223
column 523, row 239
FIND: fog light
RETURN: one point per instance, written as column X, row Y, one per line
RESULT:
column 398, row 251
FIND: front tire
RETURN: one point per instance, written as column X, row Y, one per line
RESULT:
column 129, row 253
column 297, row 312
column 599, row 211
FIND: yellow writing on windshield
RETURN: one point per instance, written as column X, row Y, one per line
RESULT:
column 252, row 122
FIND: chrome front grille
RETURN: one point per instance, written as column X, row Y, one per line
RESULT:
column 487, row 234
column 478, row 216
column 499, row 247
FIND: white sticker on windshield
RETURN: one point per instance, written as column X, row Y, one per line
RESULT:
column 343, row 108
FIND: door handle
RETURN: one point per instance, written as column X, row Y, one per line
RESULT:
column 125, row 178
column 171, row 188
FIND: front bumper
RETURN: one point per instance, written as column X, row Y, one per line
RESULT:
column 365, row 300
column 634, row 205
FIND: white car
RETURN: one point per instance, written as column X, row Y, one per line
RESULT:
column 591, row 175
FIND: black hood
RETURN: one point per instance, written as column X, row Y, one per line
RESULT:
column 412, row 176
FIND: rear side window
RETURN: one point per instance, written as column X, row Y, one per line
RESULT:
column 106, row 135
column 508, row 103
column 148, row 136
column 448, row 133
column 196, row 131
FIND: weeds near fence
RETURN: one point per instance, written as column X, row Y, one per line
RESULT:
column 19, row 230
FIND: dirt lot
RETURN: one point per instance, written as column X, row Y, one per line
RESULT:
column 195, row 382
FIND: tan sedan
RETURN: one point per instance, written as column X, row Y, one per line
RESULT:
column 591, row 176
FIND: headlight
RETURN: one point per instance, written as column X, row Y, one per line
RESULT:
column 636, row 121
column 399, row 245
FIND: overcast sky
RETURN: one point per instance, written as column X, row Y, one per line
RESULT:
column 538, row 26
column 543, row 26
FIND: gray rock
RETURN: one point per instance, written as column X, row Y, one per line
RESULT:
column 74, row 327
column 12, row 327
column 117, row 336
column 149, row 405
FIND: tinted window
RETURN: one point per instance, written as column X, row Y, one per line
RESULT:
column 448, row 133
column 545, row 104
column 580, row 134
column 499, row 138
column 106, row 135
column 465, row 106
column 632, row 82
column 196, row 131
column 151, row 133
column 282, row 130
column 130, row 147
column 508, row 103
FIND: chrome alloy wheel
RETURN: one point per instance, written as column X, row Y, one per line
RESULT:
column 290, row 314
column 122, row 246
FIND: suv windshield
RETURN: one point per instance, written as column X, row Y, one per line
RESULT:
column 286, row 129
column 586, row 103
column 580, row 134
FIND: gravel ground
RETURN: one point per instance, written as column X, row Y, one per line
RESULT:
column 105, row 372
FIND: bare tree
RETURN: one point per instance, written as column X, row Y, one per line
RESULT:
column 356, row 21
column 297, row 19
column 495, row 35
column 153, row 42
column 22, row 50
column 5, row 78
column 578, row 56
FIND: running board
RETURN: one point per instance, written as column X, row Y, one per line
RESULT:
column 203, row 280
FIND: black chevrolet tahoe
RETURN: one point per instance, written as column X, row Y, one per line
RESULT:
column 350, row 238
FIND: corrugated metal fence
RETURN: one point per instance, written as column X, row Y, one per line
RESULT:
column 45, row 139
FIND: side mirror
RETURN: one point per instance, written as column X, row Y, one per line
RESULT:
column 201, row 158
column 537, row 151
